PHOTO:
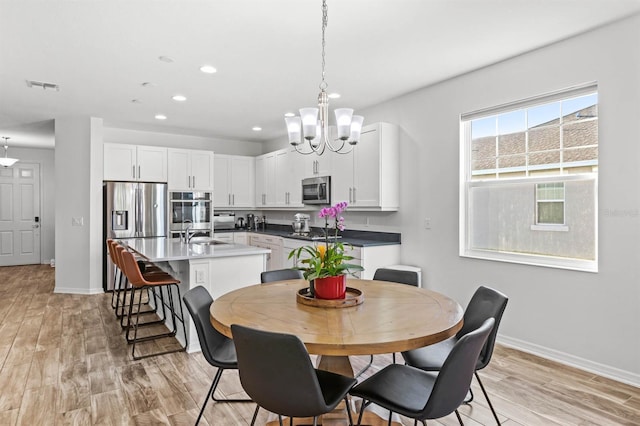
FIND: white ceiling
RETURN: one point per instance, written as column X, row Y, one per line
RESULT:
column 267, row 54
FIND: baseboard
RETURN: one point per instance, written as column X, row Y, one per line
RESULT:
column 75, row 290
column 613, row 373
column 194, row 347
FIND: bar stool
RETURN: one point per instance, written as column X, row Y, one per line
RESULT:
column 141, row 282
column 123, row 292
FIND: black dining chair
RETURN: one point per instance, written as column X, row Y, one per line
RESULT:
column 218, row 350
column 485, row 303
column 280, row 275
column 395, row 276
column 423, row 395
column 276, row 372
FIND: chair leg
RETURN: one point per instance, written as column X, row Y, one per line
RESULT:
column 315, row 421
column 470, row 393
column 495, row 416
column 459, row 418
column 280, row 420
column 362, row 407
column 206, row 400
column 216, row 380
column 255, row 415
column 390, row 416
column 346, row 401
column 366, row 367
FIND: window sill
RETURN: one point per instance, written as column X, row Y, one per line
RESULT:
column 553, row 228
column 534, row 260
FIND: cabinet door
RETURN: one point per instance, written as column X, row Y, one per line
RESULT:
column 119, row 162
column 342, row 178
column 282, row 176
column 294, row 181
column 178, row 170
column 318, row 165
column 202, row 170
column 242, row 181
column 270, row 179
column 367, row 165
column 260, row 180
column 221, row 182
column 152, row 164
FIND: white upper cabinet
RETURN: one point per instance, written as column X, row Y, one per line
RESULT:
column 369, row 176
column 190, row 170
column 135, row 163
column 234, row 181
column 317, row 165
column 265, row 180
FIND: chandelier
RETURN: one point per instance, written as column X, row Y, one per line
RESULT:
column 307, row 127
column 6, row 161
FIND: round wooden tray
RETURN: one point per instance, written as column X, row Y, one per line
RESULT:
column 352, row 297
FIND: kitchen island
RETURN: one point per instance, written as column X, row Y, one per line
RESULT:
column 219, row 267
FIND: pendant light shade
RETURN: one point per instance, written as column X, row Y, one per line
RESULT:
column 6, row 161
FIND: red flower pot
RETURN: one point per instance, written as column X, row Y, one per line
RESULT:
column 330, row 287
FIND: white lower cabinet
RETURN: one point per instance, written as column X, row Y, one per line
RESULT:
column 226, row 237
column 240, row 238
column 274, row 259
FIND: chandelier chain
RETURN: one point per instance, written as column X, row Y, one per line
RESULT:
column 325, row 19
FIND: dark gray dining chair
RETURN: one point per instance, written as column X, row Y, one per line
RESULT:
column 276, row 372
column 485, row 303
column 394, row 276
column 218, row 350
column 281, row 275
column 423, row 395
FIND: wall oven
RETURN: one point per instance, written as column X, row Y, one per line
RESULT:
column 316, row 190
column 190, row 209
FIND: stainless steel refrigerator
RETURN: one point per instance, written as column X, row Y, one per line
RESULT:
column 132, row 210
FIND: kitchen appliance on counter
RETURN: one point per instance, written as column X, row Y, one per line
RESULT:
column 191, row 209
column 300, row 223
column 132, row 210
column 224, row 220
column 316, row 190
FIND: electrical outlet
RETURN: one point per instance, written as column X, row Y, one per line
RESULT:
column 427, row 223
column 77, row 221
column 200, row 277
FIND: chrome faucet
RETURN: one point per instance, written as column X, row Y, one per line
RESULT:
column 185, row 232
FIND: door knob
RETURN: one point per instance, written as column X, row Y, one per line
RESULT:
column 36, row 226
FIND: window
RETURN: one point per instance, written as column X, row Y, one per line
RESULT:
column 528, row 170
column 550, row 203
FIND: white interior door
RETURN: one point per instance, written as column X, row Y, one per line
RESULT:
column 19, row 208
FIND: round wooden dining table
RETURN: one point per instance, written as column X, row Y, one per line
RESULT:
column 392, row 318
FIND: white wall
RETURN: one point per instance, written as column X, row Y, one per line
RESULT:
column 219, row 146
column 44, row 157
column 78, row 175
column 592, row 320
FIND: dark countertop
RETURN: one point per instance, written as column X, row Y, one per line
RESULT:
column 353, row 237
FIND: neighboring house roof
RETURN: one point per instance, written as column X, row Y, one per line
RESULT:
column 579, row 141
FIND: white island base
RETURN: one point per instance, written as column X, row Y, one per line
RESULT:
column 220, row 269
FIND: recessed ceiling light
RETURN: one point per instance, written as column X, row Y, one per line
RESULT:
column 334, row 95
column 208, row 69
column 256, row 128
column 136, row 101
column 179, row 98
column 161, row 117
column 166, row 59
column 289, row 114
column 148, row 84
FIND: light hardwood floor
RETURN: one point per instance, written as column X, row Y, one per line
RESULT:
column 65, row 362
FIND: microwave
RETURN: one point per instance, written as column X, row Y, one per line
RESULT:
column 316, row 190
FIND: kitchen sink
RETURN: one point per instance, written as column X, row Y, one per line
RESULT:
column 206, row 241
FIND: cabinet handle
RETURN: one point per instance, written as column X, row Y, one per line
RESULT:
column 193, row 181
column 138, row 172
column 133, row 172
column 229, row 199
column 233, row 199
column 189, row 184
column 354, row 196
column 350, row 192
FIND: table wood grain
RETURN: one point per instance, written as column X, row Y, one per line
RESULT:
column 393, row 318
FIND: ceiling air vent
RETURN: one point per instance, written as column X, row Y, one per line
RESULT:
column 41, row 85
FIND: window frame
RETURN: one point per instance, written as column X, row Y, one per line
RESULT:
column 467, row 183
